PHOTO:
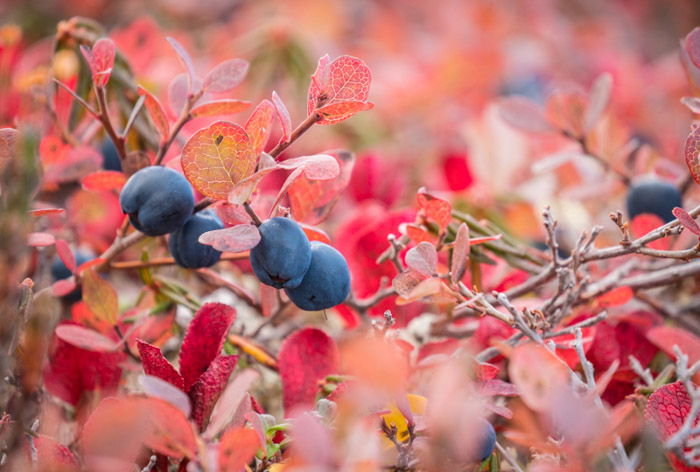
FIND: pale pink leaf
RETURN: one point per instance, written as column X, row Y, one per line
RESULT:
column 692, row 46
column 237, row 238
column 686, row 220
column 423, row 258
column 598, row 100
column 226, row 76
column 186, row 61
column 693, row 104
column 316, row 167
column 229, row 401
column 40, row 239
column 460, row 253
column 177, row 93
column 524, row 114
column 66, row 255
column 283, row 116
column 159, row 388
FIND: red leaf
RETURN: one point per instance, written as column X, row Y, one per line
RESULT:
column 434, row 208
column 237, row 238
column 65, row 254
column 283, row 116
column 525, row 115
column 85, row 338
column 204, row 340
column 186, row 61
column 692, row 152
column 646, row 222
column 100, row 59
column 236, row 448
column 44, row 211
column 686, row 220
column 220, row 107
column 305, row 357
column 315, row 234
column 216, row 158
column 598, row 100
column 422, row 258
column 460, row 253
column 226, row 76
column 259, row 125
column 103, row 180
column 312, row 200
column 228, row 403
column 417, row 234
column 665, row 337
column 667, row 408
column 71, row 371
column 40, row 239
column 207, row 389
column 692, row 46
column 156, row 365
column 616, row 297
column 155, row 110
column 100, row 297
column 345, row 79
column 337, row 112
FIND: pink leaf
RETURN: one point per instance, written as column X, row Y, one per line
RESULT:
column 159, row 388
column 259, row 125
column 692, row 46
column 204, row 340
column 296, row 173
column 237, row 238
column 155, row 364
column 692, row 152
column 668, row 408
column 177, row 93
column 207, row 389
column 220, row 107
column 525, row 115
column 306, row 357
column 85, row 338
column 100, row 59
column 347, row 79
column 687, row 221
column 316, row 167
column 318, row 81
column 283, row 116
column 598, row 100
column 665, row 337
column 225, row 76
column 406, row 281
column 422, row 258
column 229, row 401
column 63, row 287
column 186, row 61
column 40, row 239
column 460, row 253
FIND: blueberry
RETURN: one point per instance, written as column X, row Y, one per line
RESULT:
column 488, row 441
column 110, row 156
column 326, row 283
column 158, row 200
column 184, row 243
column 283, row 254
column 653, row 196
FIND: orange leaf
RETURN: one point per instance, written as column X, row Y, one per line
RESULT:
column 434, row 208
column 46, row 211
column 155, row 110
column 616, row 297
column 220, row 107
column 537, row 386
column 103, row 180
column 100, row 297
column 237, row 448
column 216, row 158
column 259, row 125
column 340, row 111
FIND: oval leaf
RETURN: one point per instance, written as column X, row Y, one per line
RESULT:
column 101, row 60
column 422, row 258
column 40, row 239
column 103, row 180
column 186, row 61
column 259, row 125
column 346, row 79
column 220, row 107
column 460, row 253
column 226, row 75
column 283, row 116
column 66, row 255
column 237, row 238
column 85, row 338
column 337, row 112
column 316, row 167
column 687, row 221
column 236, row 448
column 229, row 401
column 100, row 297
column 156, row 112
column 692, row 152
column 598, row 100
column 159, row 388
column 525, row 115
column 216, row 158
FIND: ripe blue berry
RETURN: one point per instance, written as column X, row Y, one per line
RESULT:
column 184, row 243
column 488, row 442
column 326, row 283
column 283, row 254
column 158, row 200
column 110, row 156
column 653, row 196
